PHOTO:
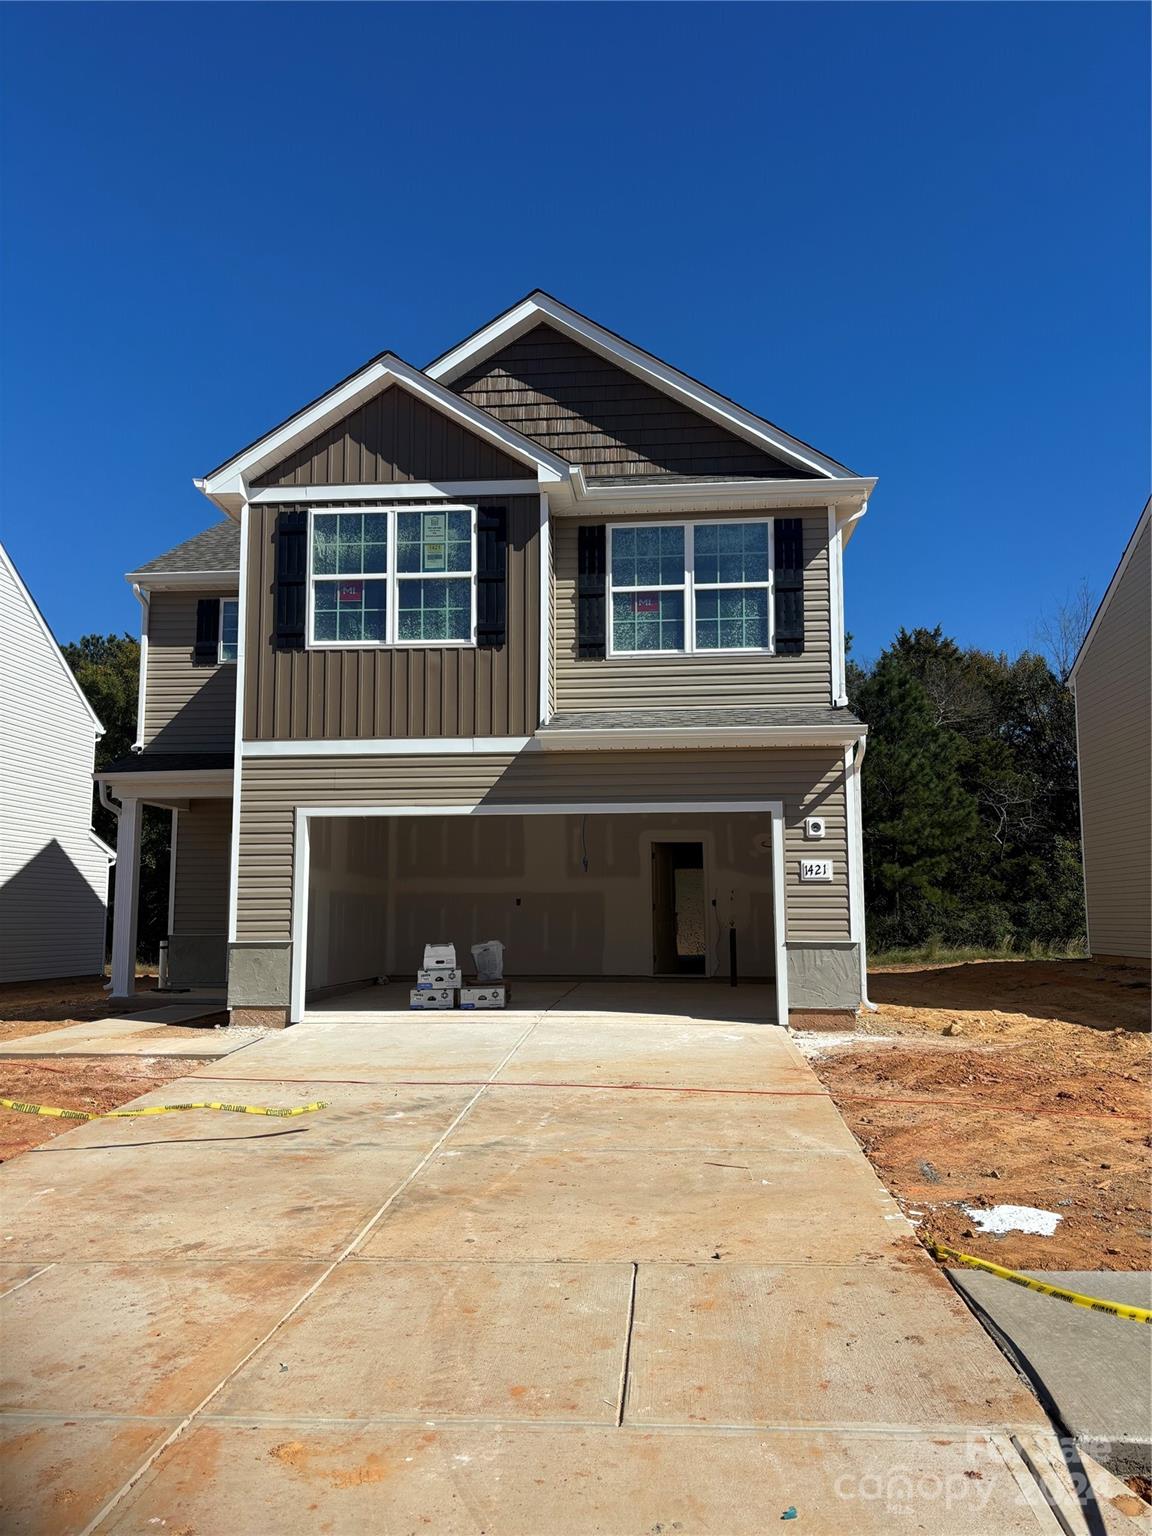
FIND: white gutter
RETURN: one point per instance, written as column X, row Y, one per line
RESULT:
column 858, row 834
column 176, row 581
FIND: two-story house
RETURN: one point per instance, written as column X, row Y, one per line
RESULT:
column 543, row 642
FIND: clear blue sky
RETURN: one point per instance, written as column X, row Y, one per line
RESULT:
column 914, row 235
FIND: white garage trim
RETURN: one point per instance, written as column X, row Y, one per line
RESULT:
column 301, row 861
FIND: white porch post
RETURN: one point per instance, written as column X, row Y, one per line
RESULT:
column 127, row 899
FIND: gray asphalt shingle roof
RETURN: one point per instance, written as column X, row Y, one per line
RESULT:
column 700, row 719
column 216, row 549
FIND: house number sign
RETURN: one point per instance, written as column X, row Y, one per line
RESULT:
column 815, row 869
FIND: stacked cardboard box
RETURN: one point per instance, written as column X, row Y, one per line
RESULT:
column 437, row 979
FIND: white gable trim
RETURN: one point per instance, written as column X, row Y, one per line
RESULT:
column 228, row 485
column 538, row 307
column 42, row 625
column 1098, row 619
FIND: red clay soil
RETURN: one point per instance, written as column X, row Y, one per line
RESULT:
column 80, row 1082
column 35, row 1006
column 1009, row 1083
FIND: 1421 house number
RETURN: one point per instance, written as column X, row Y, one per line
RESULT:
column 815, row 869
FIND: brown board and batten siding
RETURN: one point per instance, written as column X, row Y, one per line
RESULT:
column 809, row 782
column 674, row 681
column 1114, row 733
column 594, row 413
column 377, row 692
column 394, row 437
column 187, row 707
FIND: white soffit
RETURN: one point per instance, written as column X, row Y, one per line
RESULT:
column 539, row 307
column 227, row 485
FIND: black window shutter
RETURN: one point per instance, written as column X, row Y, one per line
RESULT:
column 491, row 576
column 207, row 649
column 591, row 613
column 291, row 594
column 789, row 580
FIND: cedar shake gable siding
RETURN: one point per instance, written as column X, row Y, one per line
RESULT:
column 594, row 413
column 395, row 691
column 394, row 438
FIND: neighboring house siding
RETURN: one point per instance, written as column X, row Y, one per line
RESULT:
column 809, row 783
column 395, row 437
column 187, row 708
column 1114, row 732
column 53, row 874
column 595, row 413
column 388, row 692
column 687, row 681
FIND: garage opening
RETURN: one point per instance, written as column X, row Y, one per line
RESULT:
column 589, row 895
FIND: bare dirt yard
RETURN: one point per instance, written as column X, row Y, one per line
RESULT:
column 1006, row 1082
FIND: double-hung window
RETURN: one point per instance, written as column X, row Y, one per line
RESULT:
column 679, row 588
column 401, row 576
column 228, row 647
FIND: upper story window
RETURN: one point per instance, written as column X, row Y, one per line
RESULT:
column 678, row 588
column 402, row 576
column 229, row 644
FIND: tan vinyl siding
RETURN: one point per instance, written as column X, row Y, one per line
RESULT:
column 203, row 846
column 395, row 437
column 808, row 782
column 595, row 413
column 1113, row 687
column 373, row 693
column 685, row 681
column 187, row 708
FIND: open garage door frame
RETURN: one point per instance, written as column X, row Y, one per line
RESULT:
column 301, row 862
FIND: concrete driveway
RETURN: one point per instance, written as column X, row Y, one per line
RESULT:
column 546, row 1273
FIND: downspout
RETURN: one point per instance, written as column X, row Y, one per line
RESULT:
column 858, row 835
column 144, row 598
column 113, row 808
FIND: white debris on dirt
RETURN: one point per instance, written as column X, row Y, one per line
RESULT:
column 815, row 1043
column 999, row 1219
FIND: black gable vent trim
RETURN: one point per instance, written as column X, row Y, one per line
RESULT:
column 591, row 609
column 491, row 577
column 207, row 649
column 789, row 583
column 291, row 596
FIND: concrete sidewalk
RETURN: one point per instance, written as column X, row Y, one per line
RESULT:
column 542, row 1275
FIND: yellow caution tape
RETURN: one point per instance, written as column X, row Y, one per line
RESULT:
column 1093, row 1303
column 158, row 1109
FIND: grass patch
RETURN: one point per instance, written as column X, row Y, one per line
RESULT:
column 936, row 952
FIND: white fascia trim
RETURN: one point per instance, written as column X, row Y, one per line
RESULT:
column 231, row 479
column 42, row 624
column 302, row 859
column 1105, row 601
column 390, row 746
column 582, row 497
column 697, row 738
column 414, row 490
column 540, row 306
column 178, row 581
column 238, row 732
column 545, row 600
column 163, row 788
column 142, row 597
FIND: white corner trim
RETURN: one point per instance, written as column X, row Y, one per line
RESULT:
column 544, row 602
column 238, row 731
column 538, row 307
column 42, row 624
column 1110, row 593
column 408, row 490
column 387, row 746
column 173, row 840
column 385, row 372
column 836, row 604
column 853, row 805
column 144, row 599
column 302, row 858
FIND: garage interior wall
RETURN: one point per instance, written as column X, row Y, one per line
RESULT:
column 381, row 887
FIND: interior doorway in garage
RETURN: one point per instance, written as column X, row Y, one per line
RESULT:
column 679, row 916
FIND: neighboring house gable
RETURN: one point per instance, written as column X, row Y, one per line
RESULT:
column 1112, row 679
column 593, row 412
column 53, row 868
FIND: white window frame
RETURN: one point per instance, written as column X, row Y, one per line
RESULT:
column 221, row 659
column 689, row 588
column 391, row 578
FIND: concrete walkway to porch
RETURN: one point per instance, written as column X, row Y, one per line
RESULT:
column 543, row 1274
